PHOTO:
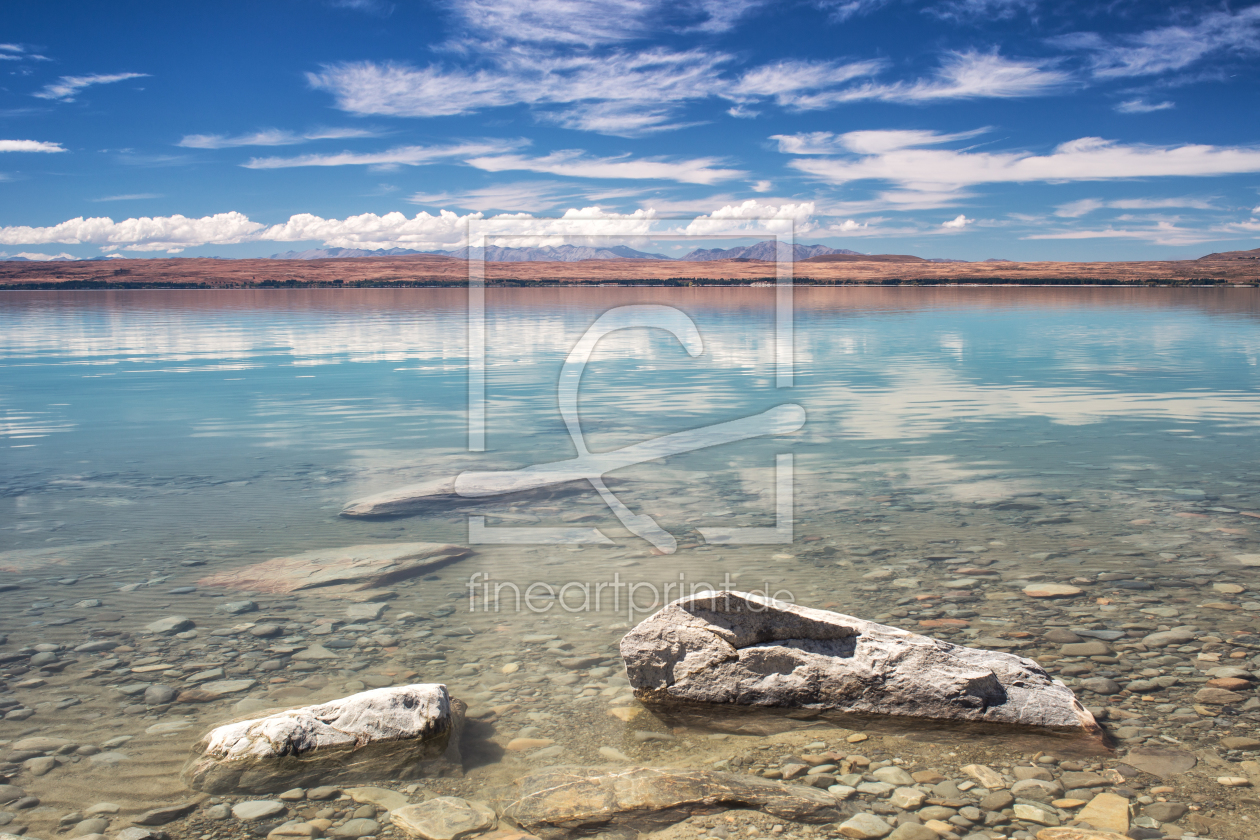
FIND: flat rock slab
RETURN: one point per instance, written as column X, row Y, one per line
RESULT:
column 565, row 801
column 400, row 732
column 1074, row 833
column 444, row 818
column 1051, row 590
column 442, row 491
column 1159, row 761
column 359, row 566
column 732, row 649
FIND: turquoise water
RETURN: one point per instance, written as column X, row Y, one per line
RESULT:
column 960, row 445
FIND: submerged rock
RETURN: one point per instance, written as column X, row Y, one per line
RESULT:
column 564, row 801
column 359, row 566
column 401, row 732
column 732, row 649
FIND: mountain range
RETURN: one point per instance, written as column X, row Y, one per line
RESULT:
column 574, row 253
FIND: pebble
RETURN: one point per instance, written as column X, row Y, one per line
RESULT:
column 444, row 818
column 169, row 626
column 1051, row 590
column 360, row 827
column 257, row 809
column 865, row 827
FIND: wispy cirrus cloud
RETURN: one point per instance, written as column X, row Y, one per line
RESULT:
column 865, row 142
column 30, row 146
column 620, row 93
column 397, row 156
column 1168, row 48
column 575, row 163
column 1084, row 206
column 1160, row 233
column 67, row 88
column 961, row 75
column 271, row 137
column 1141, row 106
column 127, row 197
column 517, row 196
column 1084, row 159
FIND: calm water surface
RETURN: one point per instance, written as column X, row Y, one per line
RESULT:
column 961, row 445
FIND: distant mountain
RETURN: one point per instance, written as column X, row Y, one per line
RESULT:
column 852, row 257
column 554, row 253
column 551, row 253
column 764, row 251
column 944, row 260
column 343, row 253
column 1253, row 254
column 996, row 259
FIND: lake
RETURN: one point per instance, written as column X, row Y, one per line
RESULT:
column 961, row 448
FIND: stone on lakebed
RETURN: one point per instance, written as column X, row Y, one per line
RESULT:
column 400, row 732
column 356, row 566
column 566, row 801
column 731, row 650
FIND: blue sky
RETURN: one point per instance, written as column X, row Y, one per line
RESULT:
column 952, row 128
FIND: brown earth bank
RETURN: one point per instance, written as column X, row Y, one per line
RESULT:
column 1231, row 268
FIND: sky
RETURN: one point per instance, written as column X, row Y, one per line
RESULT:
column 965, row 129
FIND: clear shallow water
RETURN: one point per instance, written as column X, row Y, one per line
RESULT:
column 148, row 439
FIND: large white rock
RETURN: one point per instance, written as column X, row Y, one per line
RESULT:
column 401, row 732
column 732, row 649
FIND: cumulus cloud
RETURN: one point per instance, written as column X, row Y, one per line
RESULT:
column 957, row 223
column 577, row 164
column 1084, row 159
column 1141, row 106
column 29, row 146
column 67, row 87
column 160, row 233
column 270, row 137
column 1169, row 48
column 424, row 231
column 753, row 215
column 398, row 156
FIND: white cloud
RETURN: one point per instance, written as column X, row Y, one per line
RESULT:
column 127, row 197
column 1084, row 159
column 1169, row 48
column 161, row 233
column 401, row 155
column 1076, row 209
column 586, row 23
column 865, row 142
column 574, row 163
column 1141, row 106
column 1162, row 233
column 67, row 87
column 962, row 75
column 787, row 81
column 29, row 146
column 762, row 186
column 754, row 216
column 619, row 93
column 528, row 196
column 424, row 231
column 970, row 10
column 270, row 137
column 957, row 223
column 842, row 10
